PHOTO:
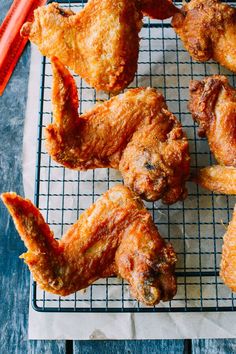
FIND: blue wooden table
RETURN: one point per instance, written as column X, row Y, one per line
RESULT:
column 14, row 275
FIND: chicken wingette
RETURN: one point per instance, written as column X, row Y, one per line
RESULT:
column 100, row 43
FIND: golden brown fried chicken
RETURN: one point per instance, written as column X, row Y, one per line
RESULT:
column 159, row 9
column 208, row 30
column 219, row 179
column 100, row 43
column 115, row 236
column 228, row 260
column 133, row 132
column 213, row 107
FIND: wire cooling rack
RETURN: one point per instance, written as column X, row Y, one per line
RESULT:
column 194, row 226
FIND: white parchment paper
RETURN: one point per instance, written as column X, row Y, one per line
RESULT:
column 136, row 325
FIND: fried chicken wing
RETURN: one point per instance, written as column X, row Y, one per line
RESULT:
column 228, row 260
column 133, row 132
column 115, row 236
column 219, row 179
column 208, row 30
column 100, row 43
column 213, row 107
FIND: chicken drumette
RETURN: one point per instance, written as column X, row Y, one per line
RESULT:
column 133, row 132
column 208, row 30
column 115, row 236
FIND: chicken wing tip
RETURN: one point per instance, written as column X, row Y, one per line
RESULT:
column 7, row 197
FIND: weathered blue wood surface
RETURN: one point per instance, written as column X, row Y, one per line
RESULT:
column 214, row 346
column 14, row 276
column 129, row 347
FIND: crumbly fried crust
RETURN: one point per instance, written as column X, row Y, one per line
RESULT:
column 115, row 236
column 133, row 132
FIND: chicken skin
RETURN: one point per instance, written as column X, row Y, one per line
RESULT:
column 208, row 31
column 218, row 179
column 159, row 9
column 100, row 43
column 115, row 236
column 228, row 260
column 133, row 132
column 213, row 107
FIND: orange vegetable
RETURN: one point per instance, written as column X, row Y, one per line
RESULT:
column 11, row 42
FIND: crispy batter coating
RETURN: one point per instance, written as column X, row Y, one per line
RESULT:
column 115, row 236
column 208, row 30
column 228, row 260
column 133, row 132
column 219, row 179
column 159, row 9
column 100, row 43
column 213, row 107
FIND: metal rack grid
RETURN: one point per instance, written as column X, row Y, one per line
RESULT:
column 194, row 226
